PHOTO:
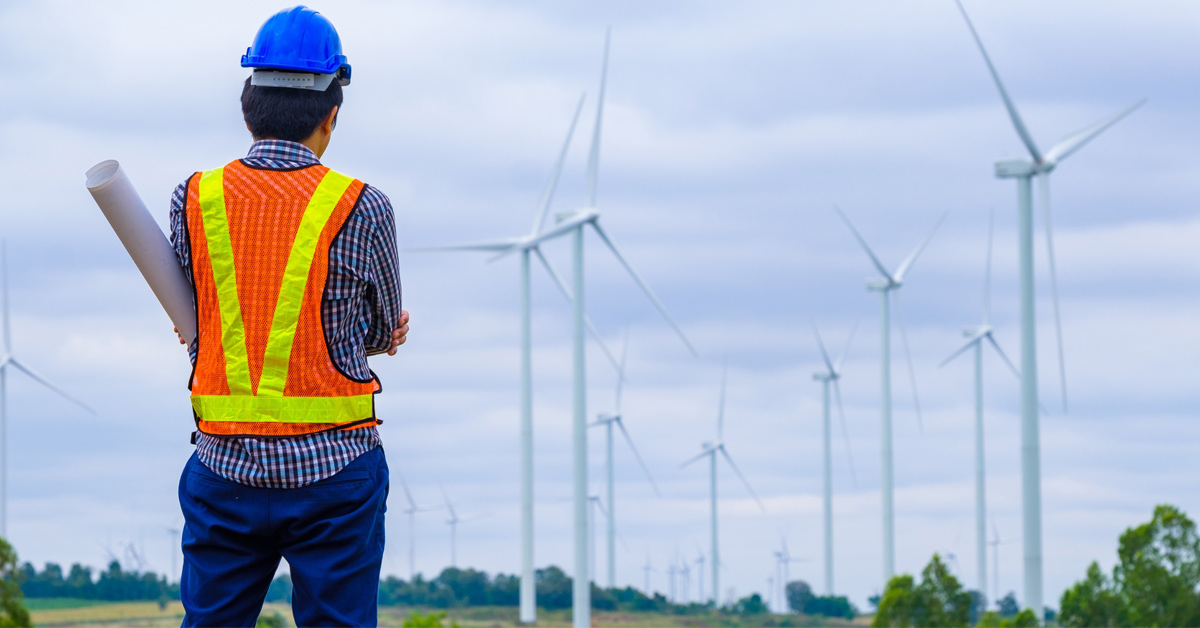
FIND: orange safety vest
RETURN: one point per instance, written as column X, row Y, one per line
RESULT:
column 260, row 244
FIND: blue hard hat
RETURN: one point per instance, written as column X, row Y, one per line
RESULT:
column 298, row 40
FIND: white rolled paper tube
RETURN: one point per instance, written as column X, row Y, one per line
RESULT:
column 145, row 242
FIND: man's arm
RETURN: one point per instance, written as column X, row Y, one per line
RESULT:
column 388, row 322
column 183, row 246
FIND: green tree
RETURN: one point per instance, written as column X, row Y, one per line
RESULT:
column 750, row 605
column 939, row 600
column 12, row 601
column 799, row 596
column 1159, row 570
column 1154, row 583
column 1092, row 601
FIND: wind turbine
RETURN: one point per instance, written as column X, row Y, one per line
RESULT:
column 784, row 559
column 699, row 575
column 6, row 361
column 453, row 522
column 711, row 450
column 1039, row 165
column 977, row 336
column 526, row 245
column 607, row 421
column 573, row 224
column 891, row 282
column 829, row 380
column 996, row 543
column 411, row 510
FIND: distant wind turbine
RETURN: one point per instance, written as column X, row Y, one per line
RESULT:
column 783, row 561
column 711, row 451
column 411, row 510
column 977, row 336
column 1039, row 165
column 6, row 361
column 891, row 282
column 453, row 522
column 829, row 380
column 607, row 421
column 996, row 543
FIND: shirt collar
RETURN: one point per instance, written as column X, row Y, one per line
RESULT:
column 282, row 150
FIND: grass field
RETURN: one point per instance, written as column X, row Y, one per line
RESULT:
column 71, row 612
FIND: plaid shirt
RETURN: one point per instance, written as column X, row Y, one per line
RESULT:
column 359, row 309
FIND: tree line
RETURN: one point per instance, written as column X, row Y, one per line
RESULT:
column 1155, row 582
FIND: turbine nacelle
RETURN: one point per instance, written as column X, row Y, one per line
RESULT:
column 883, row 285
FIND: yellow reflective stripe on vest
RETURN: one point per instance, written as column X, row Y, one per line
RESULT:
column 295, row 277
column 251, row 409
column 220, row 252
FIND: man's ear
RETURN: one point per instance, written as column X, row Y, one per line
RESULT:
column 330, row 122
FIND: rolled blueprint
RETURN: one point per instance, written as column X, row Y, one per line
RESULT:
column 145, row 242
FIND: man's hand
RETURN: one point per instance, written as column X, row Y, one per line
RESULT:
column 399, row 334
column 180, row 336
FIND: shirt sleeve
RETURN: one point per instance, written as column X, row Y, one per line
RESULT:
column 382, row 301
column 182, row 244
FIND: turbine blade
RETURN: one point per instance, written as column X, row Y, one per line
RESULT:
column 912, row 257
column 662, row 309
column 912, row 373
column 43, row 381
column 821, row 346
column 837, row 393
column 695, row 458
column 742, row 477
column 1018, row 124
column 961, row 350
column 846, row 350
column 593, row 166
column 1076, row 140
column 493, row 245
column 857, row 236
column 1062, row 365
column 548, row 192
column 987, row 276
column 587, row 320
column 634, row 449
column 995, row 345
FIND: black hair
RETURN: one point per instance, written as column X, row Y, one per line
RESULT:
column 287, row 113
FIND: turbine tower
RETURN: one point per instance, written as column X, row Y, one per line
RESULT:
column 891, row 282
column 829, row 383
column 711, row 450
column 607, row 421
column 1039, row 165
column 8, row 360
column 976, row 336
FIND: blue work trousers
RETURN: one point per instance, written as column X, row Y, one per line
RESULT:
column 330, row 532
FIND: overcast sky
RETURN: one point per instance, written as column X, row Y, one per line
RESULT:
column 730, row 131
